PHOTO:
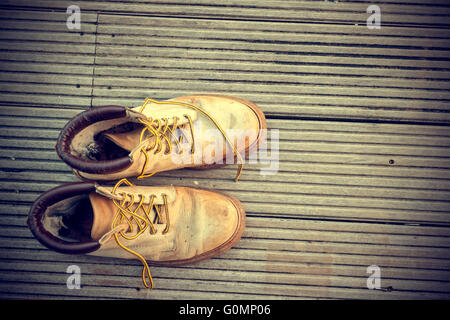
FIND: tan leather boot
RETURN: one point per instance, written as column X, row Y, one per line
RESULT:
column 198, row 131
column 164, row 225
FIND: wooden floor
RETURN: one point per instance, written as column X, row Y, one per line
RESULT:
column 364, row 126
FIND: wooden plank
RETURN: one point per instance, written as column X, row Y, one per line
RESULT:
column 408, row 131
column 283, row 248
column 143, row 44
column 308, row 207
column 325, row 267
column 29, row 77
column 240, row 265
column 300, row 151
column 48, row 100
column 410, row 192
column 291, row 11
column 232, row 276
column 250, row 175
column 349, row 107
column 143, row 59
column 31, row 111
column 53, row 291
column 363, row 138
column 252, row 77
column 284, row 89
column 43, row 55
column 233, row 285
column 331, row 57
column 304, row 157
column 299, row 167
column 24, row 46
column 303, row 201
column 39, row 69
column 14, row 214
column 78, row 39
column 46, row 57
column 359, row 235
column 309, row 247
column 46, row 16
column 350, row 196
column 60, row 90
column 274, row 26
column 298, row 108
column 137, row 34
column 247, row 252
column 165, row 90
column 331, row 143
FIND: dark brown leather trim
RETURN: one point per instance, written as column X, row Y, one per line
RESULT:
column 78, row 123
column 49, row 198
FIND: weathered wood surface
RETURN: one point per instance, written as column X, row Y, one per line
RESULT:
column 362, row 116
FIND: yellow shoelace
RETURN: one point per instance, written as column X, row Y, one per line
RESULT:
column 163, row 132
column 129, row 217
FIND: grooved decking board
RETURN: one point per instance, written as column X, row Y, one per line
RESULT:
column 320, row 11
column 42, row 62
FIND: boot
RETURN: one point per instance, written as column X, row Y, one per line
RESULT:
column 164, row 225
column 200, row 131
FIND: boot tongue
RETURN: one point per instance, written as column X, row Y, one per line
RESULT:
column 130, row 140
column 104, row 211
column 126, row 140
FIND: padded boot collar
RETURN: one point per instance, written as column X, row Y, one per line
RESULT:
column 82, row 121
column 46, row 200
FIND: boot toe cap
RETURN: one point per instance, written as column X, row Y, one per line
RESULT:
column 223, row 223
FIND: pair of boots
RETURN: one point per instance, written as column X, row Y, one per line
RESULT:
column 164, row 225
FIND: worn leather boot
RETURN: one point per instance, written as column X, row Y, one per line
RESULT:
column 199, row 131
column 164, row 225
